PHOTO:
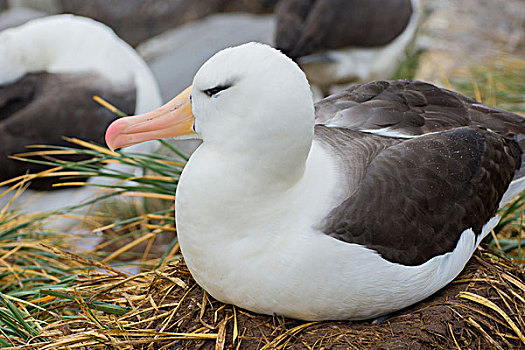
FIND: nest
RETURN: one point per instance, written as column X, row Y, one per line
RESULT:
column 484, row 308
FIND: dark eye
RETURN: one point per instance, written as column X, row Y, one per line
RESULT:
column 216, row 89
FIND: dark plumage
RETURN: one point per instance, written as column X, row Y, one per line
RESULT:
column 410, row 198
column 308, row 26
column 41, row 108
column 412, row 108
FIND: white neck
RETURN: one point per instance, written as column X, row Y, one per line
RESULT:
column 249, row 175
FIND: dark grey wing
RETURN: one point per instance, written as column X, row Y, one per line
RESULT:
column 405, row 109
column 417, row 196
column 41, row 108
column 308, row 26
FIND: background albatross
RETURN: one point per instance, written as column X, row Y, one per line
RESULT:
column 343, row 41
column 364, row 204
column 49, row 70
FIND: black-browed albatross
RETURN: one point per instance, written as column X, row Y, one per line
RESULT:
column 363, row 204
column 343, row 41
column 50, row 68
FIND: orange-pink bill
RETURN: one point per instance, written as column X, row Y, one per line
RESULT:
column 175, row 118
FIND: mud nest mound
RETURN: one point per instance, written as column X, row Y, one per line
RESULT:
column 484, row 308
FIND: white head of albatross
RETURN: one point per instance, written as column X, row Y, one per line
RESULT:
column 259, row 113
column 269, row 214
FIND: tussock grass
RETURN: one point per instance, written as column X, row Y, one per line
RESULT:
column 27, row 266
column 37, row 265
column 498, row 82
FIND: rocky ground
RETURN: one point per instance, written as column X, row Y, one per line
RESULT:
column 459, row 33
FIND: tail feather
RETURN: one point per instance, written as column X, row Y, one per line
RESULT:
column 515, row 188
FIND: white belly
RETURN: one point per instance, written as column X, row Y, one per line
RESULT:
column 271, row 259
column 316, row 277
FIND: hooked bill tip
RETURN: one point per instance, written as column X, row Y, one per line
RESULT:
column 113, row 131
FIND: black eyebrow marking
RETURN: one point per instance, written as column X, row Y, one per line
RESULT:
column 215, row 90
